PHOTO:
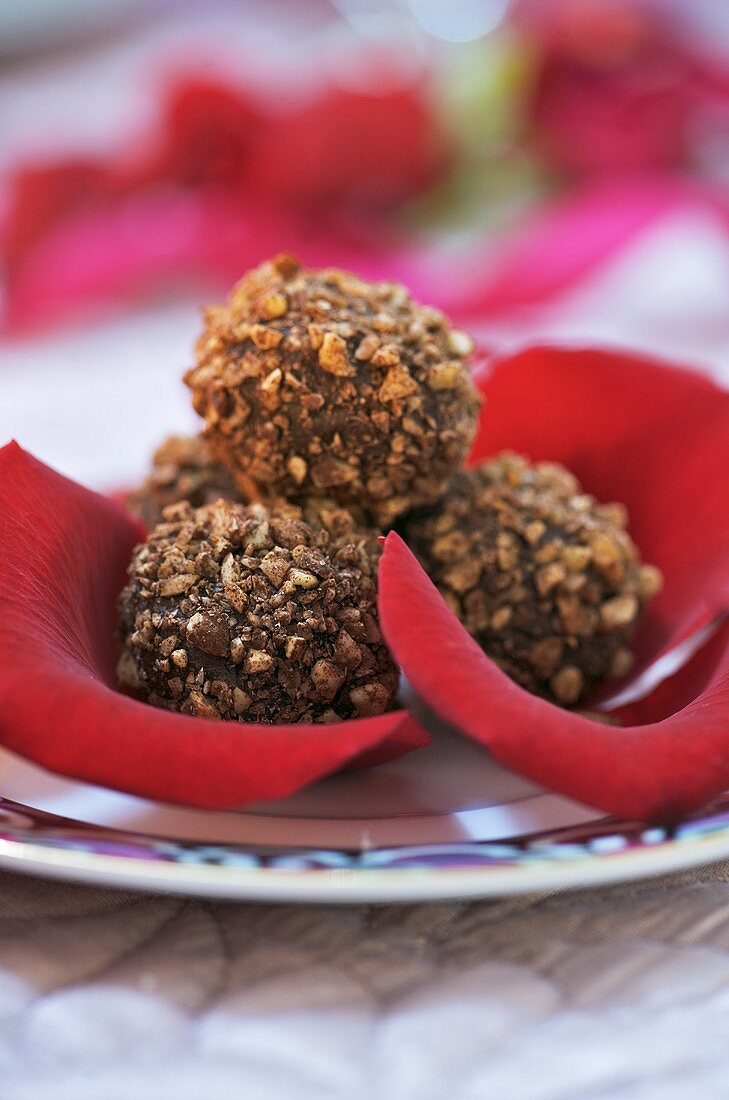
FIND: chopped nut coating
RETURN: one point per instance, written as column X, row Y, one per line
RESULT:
column 318, row 381
column 545, row 578
column 240, row 612
column 182, row 469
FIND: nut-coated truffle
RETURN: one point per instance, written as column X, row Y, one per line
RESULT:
column 182, row 469
column 239, row 612
column 316, row 382
column 546, row 579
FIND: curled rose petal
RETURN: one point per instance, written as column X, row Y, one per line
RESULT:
column 657, row 771
column 651, row 436
column 656, row 438
column 62, row 561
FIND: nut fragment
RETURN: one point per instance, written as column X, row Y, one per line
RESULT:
column 264, row 337
column 548, row 577
column 179, row 658
column 258, row 661
column 241, row 701
column 298, row 468
column 501, row 617
column 209, row 632
column 333, row 356
column 460, row 343
column 295, row 646
column 619, row 611
column 302, row 579
column 347, row 652
column 398, row 383
column 445, row 376
column 368, row 699
column 273, row 305
column 568, row 684
column 275, row 566
column 175, row 586
column 650, row 582
column 328, row 678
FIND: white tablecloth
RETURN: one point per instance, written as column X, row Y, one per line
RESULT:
column 621, row 994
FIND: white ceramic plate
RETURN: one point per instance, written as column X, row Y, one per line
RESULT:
column 445, row 822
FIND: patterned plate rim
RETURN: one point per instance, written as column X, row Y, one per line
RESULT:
column 34, row 842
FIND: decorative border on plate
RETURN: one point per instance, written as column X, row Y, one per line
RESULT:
column 21, row 825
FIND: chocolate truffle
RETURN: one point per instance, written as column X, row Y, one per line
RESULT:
column 182, row 469
column 547, row 580
column 318, row 382
column 236, row 611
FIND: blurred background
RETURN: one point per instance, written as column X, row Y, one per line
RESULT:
column 541, row 169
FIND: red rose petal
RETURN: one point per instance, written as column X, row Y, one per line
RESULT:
column 177, row 237
column 63, row 555
column 561, row 242
column 685, row 685
column 400, row 149
column 656, row 438
column 656, row 772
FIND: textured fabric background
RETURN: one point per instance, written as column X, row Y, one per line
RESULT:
column 621, row 994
